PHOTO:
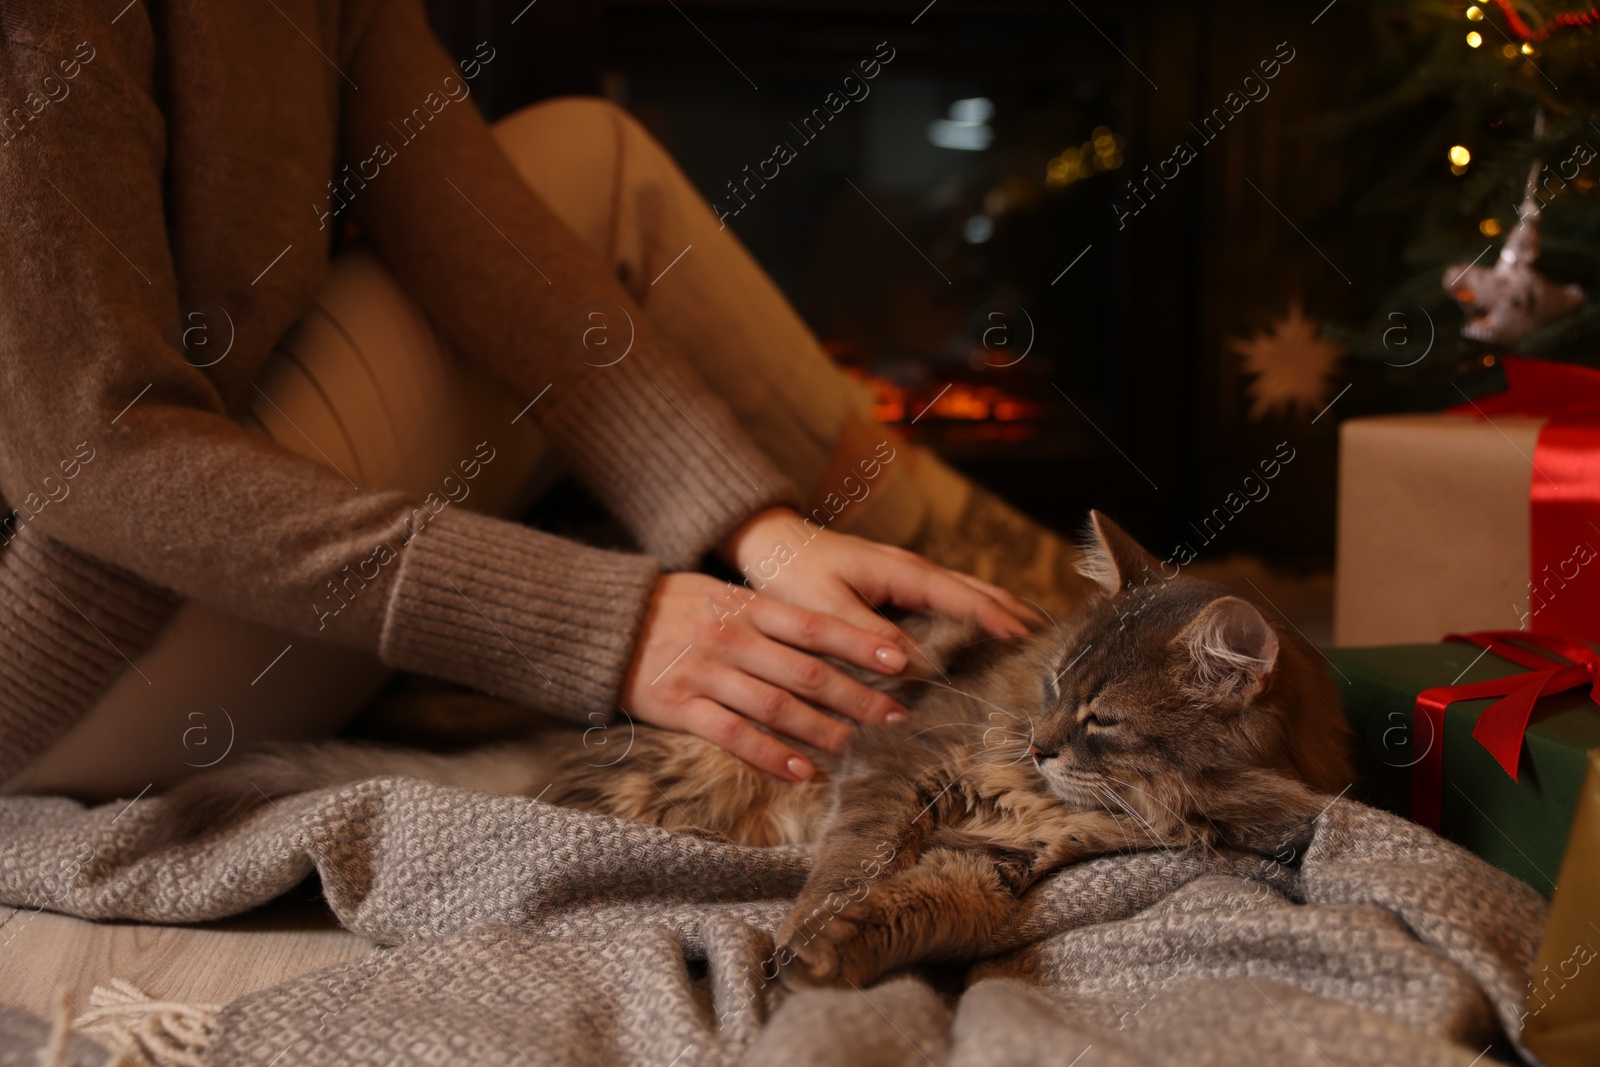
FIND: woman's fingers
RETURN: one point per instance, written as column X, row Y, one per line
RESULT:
column 916, row 585
column 1008, row 600
column 806, row 675
column 832, row 635
column 735, row 733
column 849, row 603
column 774, row 708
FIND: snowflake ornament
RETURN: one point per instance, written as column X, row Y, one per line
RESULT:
column 1293, row 366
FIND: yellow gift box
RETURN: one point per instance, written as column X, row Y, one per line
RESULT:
column 1562, row 1021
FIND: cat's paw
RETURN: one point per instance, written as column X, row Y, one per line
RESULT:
column 831, row 947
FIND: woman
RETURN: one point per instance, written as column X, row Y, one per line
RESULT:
column 213, row 448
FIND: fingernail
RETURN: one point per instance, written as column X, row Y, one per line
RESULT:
column 891, row 657
column 801, row 768
column 896, row 716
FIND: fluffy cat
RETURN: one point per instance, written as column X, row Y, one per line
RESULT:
column 1165, row 713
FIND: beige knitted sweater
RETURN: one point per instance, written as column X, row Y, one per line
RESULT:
column 157, row 156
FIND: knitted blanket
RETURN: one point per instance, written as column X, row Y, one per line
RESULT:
column 517, row 932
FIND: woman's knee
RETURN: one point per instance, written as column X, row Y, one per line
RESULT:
column 582, row 134
column 582, row 155
column 569, row 111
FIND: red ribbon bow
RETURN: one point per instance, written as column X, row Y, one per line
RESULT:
column 1502, row 727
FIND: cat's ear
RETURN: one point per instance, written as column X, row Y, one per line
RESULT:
column 1113, row 558
column 1231, row 646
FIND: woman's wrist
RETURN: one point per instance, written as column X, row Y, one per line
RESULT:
column 754, row 538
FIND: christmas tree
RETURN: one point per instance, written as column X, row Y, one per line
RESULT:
column 1476, row 131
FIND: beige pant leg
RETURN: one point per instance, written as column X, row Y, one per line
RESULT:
column 363, row 385
column 616, row 186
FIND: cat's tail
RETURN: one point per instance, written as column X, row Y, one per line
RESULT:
column 217, row 797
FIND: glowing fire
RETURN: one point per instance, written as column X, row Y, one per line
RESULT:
column 955, row 401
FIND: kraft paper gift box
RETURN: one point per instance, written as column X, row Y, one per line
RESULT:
column 1484, row 518
column 1433, row 531
column 1521, row 826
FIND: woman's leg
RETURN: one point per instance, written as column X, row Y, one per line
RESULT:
column 214, row 683
column 618, row 189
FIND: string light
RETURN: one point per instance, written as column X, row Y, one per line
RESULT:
column 1527, row 49
column 1489, row 227
column 1474, row 39
column 1103, row 151
column 1475, row 14
column 1459, row 155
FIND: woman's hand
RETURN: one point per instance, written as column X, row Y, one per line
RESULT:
column 848, row 577
column 712, row 656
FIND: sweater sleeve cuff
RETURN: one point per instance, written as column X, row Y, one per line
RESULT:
column 72, row 625
column 667, row 458
column 517, row 613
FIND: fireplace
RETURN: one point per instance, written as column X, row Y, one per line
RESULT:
column 938, row 223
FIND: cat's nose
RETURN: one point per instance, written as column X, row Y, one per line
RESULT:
column 1040, row 754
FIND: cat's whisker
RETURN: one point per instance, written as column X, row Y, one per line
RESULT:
column 989, row 752
column 995, row 715
column 1024, row 747
column 994, row 756
column 1007, row 731
column 1035, row 605
column 1199, row 810
column 972, row 696
column 1145, row 792
column 1129, row 785
column 1108, row 797
column 1122, row 829
column 1107, row 793
column 1150, row 831
column 943, row 725
column 990, row 747
column 983, row 747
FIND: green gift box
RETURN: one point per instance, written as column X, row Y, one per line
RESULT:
column 1520, row 826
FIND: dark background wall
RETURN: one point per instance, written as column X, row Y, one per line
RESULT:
column 1146, row 414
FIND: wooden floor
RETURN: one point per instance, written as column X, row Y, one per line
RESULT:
column 44, row 955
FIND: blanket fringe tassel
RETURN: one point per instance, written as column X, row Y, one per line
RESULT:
column 145, row 1032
